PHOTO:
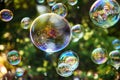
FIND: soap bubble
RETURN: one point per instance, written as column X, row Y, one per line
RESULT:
column 99, row 56
column 105, row 13
column 19, row 72
column 71, row 58
column 72, row 2
column 6, row 15
column 13, row 57
column 64, row 70
column 50, row 32
column 25, row 22
column 60, row 9
column 40, row 1
column 51, row 2
column 115, row 58
column 77, row 32
column 116, row 43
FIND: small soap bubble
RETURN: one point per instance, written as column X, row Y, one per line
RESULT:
column 77, row 32
column 72, row 2
column 51, row 2
column 6, row 15
column 99, row 56
column 19, row 72
column 13, row 57
column 60, row 9
column 116, row 43
column 40, row 1
column 105, row 13
column 50, row 32
column 64, row 70
column 25, row 22
column 115, row 58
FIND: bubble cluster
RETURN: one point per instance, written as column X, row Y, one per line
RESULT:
column 50, row 32
column 25, row 22
column 99, row 56
column 115, row 58
column 60, row 9
column 40, row 1
column 6, row 15
column 105, row 13
column 77, row 32
column 72, row 2
column 116, row 43
column 19, row 72
column 13, row 57
column 51, row 2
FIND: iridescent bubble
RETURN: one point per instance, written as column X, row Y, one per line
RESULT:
column 105, row 13
column 6, row 15
column 115, row 58
column 77, row 32
column 64, row 70
column 71, row 58
column 116, row 43
column 25, row 22
column 51, row 2
column 50, row 32
column 72, row 2
column 60, row 9
column 13, row 57
column 99, row 56
column 19, row 72
column 40, row 1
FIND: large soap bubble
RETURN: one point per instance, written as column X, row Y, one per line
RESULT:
column 50, row 32
column 19, row 72
column 105, row 13
column 116, row 43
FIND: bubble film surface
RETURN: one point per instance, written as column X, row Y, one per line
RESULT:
column 72, row 2
column 105, row 13
column 40, row 1
column 50, row 32
column 25, row 22
column 116, row 43
column 13, row 57
column 6, row 15
column 51, row 2
column 99, row 56
column 19, row 72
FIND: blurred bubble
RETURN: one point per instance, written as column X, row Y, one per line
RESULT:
column 40, row 1
column 6, row 15
column 115, row 58
column 19, row 72
column 116, row 43
column 13, row 57
column 105, row 13
column 72, row 2
column 60, row 9
column 64, row 70
column 77, row 32
column 99, row 56
column 71, row 58
column 50, row 32
column 51, row 2
column 25, row 22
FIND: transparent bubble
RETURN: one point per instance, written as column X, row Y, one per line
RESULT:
column 13, row 57
column 115, row 58
column 99, row 56
column 64, row 70
column 116, row 43
column 51, row 2
column 71, row 58
column 77, row 32
column 25, row 22
column 105, row 13
column 40, row 1
column 19, row 72
column 60, row 9
column 6, row 15
column 50, row 32
column 72, row 2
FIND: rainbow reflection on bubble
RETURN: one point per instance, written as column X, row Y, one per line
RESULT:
column 116, row 43
column 105, row 13
column 51, row 2
column 72, row 2
column 19, row 72
column 6, row 15
column 50, row 32
column 99, row 56
column 25, row 22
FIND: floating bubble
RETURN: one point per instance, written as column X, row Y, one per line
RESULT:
column 115, row 58
column 19, row 72
column 77, row 32
column 71, row 58
column 13, row 57
column 51, row 2
column 64, row 70
column 60, row 9
column 99, row 56
column 50, row 32
column 40, row 1
column 105, row 13
column 116, row 43
column 72, row 2
column 6, row 15
column 25, row 22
